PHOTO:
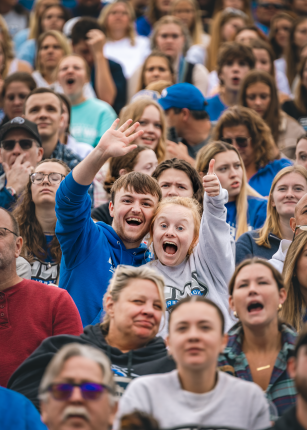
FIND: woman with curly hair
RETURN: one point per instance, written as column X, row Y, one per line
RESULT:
column 259, row 93
column 251, row 136
column 288, row 187
column 294, row 311
column 35, row 214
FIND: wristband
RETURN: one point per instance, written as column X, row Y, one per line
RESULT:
column 12, row 191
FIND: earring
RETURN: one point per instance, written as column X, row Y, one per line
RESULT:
column 279, row 307
column 235, row 314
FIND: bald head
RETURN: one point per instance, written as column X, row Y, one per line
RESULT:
column 300, row 213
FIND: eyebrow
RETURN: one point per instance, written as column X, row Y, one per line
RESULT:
column 161, row 217
column 132, row 197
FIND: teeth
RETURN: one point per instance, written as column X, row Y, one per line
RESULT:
column 169, row 243
column 134, row 219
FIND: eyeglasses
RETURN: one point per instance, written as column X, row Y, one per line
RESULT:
column 242, row 142
column 89, row 390
column 12, row 97
column 53, row 177
column 9, row 145
column 274, row 5
column 3, row 231
column 301, row 227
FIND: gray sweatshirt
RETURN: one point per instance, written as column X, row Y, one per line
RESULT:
column 209, row 268
column 232, row 403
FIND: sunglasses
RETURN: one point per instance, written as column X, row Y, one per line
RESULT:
column 53, row 178
column 241, row 142
column 9, row 145
column 301, row 227
column 89, row 390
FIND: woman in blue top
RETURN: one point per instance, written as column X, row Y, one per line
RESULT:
column 246, row 209
column 35, row 214
column 251, row 136
column 156, row 9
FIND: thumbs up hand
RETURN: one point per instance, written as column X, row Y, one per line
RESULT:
column 211, row 182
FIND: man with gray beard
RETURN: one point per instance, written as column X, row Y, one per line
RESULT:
column 78, row 390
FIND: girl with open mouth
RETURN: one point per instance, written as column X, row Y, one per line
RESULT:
column 186, row 246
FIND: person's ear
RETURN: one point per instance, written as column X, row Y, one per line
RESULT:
column 231, row 303
column 291, row 367
column 111, row 209
column 293, row 224
column 185, row 114
column 272, row 202
column 1, row 159
column 112, row 412
column 40, row 154
column 109, row 306
column 62, row 119
column 168, row 346
column 282, row 296
column 122, row 172
column 18, row 246
column 44, row 415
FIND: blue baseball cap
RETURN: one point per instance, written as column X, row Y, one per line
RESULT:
column 182, row 96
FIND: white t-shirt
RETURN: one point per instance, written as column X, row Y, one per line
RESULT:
column 128, row 56
column 232, row 403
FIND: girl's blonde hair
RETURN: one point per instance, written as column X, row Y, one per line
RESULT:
column 104, row 14
column 120, row 280
column 218, row 21
column 7, row 42
column 154, row 53
column 169, row 19
column 34, row 23
column 186, row 202
column 202, row 165
column 135, row 111
column 62, row 41
column 271, row 224
column 294, row 307
column 196, row 30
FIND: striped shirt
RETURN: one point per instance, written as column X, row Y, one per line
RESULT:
column 281, row 389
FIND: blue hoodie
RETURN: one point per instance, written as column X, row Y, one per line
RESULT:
column 18, row 413
column 90, row 251
column 256, row 214
column 262, row 180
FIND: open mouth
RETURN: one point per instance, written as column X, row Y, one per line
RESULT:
column 236, row 81
column 170, row 248
column 70, row 81
column 255, row 307
column 135, row 222
column 235, row 184
column 148, row 139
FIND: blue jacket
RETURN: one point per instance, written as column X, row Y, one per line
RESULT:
column 262, row 180
column 143, row 26
column 18, row 413
column 256, row 214
column 215, row 107
column 246, row 246
column 90, row 252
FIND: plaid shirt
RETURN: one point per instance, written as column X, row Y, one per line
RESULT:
column 281, row 390
column 64, row 154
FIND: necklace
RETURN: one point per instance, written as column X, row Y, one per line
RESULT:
column 263, row 367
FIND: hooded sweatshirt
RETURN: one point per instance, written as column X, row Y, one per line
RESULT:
column 210, row 266
column 90, row 251
column 152, row 358
column 279, row 257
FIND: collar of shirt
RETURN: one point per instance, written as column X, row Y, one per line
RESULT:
column 193, row 150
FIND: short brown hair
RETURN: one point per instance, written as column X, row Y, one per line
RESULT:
column 138, row 182
column 23, row 77
column 231, row 51
column 42, row 90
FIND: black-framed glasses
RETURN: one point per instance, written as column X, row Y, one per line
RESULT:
column 53, row 177
column 89, row 390
column 9, row 144
column 301, row 227
column 3, row 232
column 241, row 141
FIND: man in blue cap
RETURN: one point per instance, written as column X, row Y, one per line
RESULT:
column 185, row 110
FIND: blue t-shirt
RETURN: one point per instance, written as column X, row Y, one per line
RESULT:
column 262, row 180
column 27, row 52
column 215, row 107
column 46, row 271
column 256, row 214
column 143, row 26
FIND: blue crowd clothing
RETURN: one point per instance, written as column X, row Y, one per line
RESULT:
column 90, row 251
column 143, row 26
column 246, row 246
column 256, row 214
column 262, row 180
column 215, row 107
column 27, row 52
column 18, row 413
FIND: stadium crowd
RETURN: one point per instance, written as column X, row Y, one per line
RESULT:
column 153, row 214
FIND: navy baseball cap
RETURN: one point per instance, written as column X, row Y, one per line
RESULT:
column 21, row 124
column 182, row 96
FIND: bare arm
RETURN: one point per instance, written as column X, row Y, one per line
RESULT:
column 104, row 84
column 113, row 143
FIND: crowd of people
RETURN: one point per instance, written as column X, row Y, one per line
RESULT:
column 153, row 214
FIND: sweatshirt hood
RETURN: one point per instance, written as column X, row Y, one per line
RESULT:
column 119, row 253
column 279, row 257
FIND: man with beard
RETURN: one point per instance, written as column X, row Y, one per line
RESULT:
column 77, row 390
column 91, row 251
column 296, row 417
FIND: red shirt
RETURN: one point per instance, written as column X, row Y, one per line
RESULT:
column 30, row 312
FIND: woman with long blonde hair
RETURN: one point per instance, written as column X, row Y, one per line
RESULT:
column 288, row 187
column 294, row 311
column 246, row 209
column 123, row 45
column 223, row 29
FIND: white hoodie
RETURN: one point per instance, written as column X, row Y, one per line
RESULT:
column 279, row 257
column 210, row 266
